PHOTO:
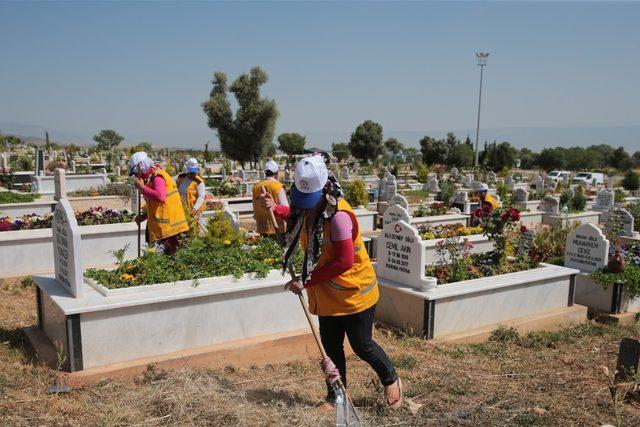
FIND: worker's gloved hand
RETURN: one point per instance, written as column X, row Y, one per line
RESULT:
column 139, row 183
column 331, row 373
column 140, row 218
column 266, row 201
column 295, row 286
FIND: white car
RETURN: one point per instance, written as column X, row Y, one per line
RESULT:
column 559, row 175
column 590, row 178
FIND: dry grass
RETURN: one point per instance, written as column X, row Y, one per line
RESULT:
column 543, row 378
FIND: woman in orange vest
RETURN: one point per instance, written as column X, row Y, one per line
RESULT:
column 164, row 214
column 192, row 190
column 277, row 192
column 337, row 274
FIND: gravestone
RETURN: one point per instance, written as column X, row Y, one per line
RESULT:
column 521, row 195
column 401, row 258
column 231, row 216
column 344, row 173
column 508, row 182
column 537, row 183
column 432, row 186
column 620, row 222
column 455, row 172
column 395, row 213
column 461, row 201
column 39, row 162
column 475, row 185
column 604, row 200
column 66, row 248
column 103, row 171
column 391, row 186
column 135, row 200
column 565, row 179
column 466, row 181
column 587, row 249
column 60, row 184
column 399, row 199
column 551, row 186
column 526, row 241
column 223, row 173
column 261, row 175
column 492, row 178
column 628, row 360
column 382, row 192
column 550, row 205
column 4, row 163
column 118, row 170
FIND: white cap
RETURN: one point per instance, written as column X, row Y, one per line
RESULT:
column 192, row 165
column 311, row 177
column 271, row 166
column 483, row 187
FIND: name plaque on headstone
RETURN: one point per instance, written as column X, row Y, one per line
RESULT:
column 395, row 213
column 587, row 249
column 66, row 248
column 401, row 257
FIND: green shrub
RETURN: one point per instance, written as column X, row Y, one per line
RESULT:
column 11, row 197
column 619, row 195
column 631, row 181
column 356, row 193
column 579, row 200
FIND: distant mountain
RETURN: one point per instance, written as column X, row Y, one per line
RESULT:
column 35, row 133
column 534, row 138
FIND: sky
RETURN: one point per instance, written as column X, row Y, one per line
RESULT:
column 144, row 68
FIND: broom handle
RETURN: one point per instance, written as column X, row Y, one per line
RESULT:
column 303, row 302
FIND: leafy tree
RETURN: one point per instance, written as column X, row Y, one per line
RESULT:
column 246, row 137
column 393, row 146
column 631, row 181
column 434, row 151
column 291, row 143
column 500, row 156
column 528, row 158
column 340, row 150
column 467, row 141
column 621, row 159
column 461, row 156
column 636, row 158
column 412, row 155
column 366, row 142
column 107, row 139
column 551, row 158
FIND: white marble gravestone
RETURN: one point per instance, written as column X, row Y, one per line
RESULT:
column 382, row 190
column 399, row 199
column 508, row 182
column 604, row 200
column 492, row 178
column 60, row 184
column 395, row 213
column 550, row 205
column 537, row 183
column 526, row 241
column 587, row 249
column 231, row 216
column 455, row 172
column 620, row 222
column 432, row 186
column 461, row 198
column 344, row 173
column 521, row 195
column 401, row 257
column 391, row 186
column 66, row 248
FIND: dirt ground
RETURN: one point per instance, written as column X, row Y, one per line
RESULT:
column 539, row 379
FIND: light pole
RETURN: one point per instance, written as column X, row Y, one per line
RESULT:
column 482, row 62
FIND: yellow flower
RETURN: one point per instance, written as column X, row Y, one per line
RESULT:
column 465, row 231
column 428, row 236
column 227, row 242
column 269, row 261
column 126, row 277
column 151, row 250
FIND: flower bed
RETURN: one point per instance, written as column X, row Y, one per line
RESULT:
column 93, row 216
column 13, row 197
column 429, row 232
column 221, row 188
column 434, row 209
column 196, row 260
column 111, row 189
column 471, row 293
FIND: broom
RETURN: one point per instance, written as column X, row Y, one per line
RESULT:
column 345, row 411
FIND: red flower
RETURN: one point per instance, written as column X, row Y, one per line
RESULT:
column 524, row 229
column 477, row 213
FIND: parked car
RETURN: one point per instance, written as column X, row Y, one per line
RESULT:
column 590, row 178
column 559, row 175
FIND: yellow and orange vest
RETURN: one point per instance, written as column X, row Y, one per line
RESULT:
column 165, row 219
column 192, row 192
column 261, row 215
column 353, row 291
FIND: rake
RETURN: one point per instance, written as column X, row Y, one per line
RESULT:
column 345, row 411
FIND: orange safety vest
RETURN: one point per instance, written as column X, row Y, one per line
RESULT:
column 165, row 219
column 192, row 192
column 261, row 215
column 493, row 202
column 353, row 291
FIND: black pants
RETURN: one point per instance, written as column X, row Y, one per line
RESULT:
column 358, row 328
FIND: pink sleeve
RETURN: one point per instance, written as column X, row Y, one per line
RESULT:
column 159, row 190
column 341, row 227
